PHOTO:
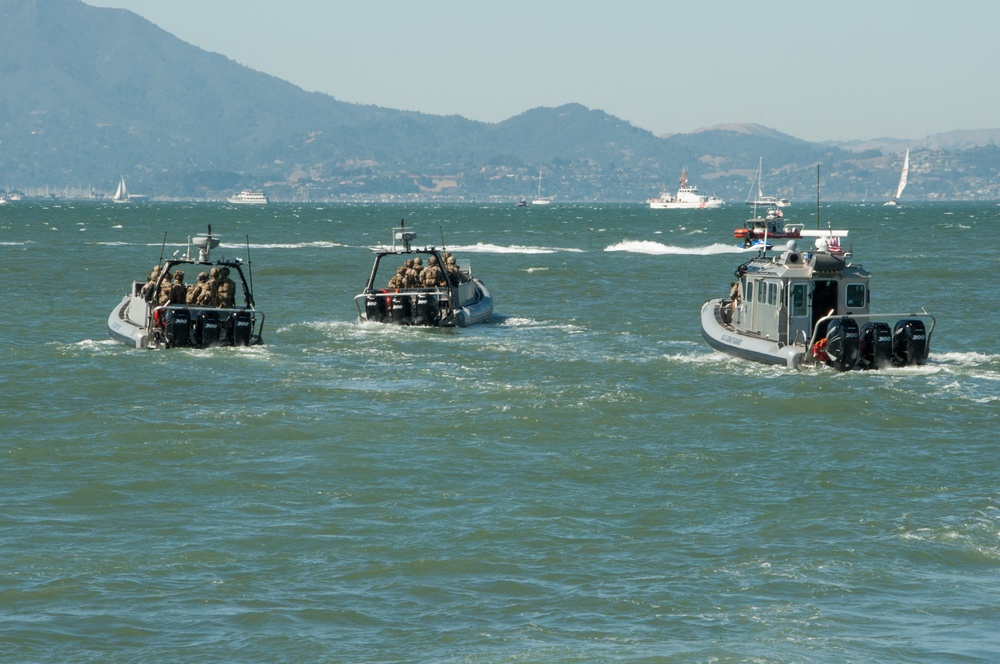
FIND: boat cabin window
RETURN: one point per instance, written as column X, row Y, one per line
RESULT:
column 749, row 291
column 856, row 296
column 772, row 294
column 798, row 300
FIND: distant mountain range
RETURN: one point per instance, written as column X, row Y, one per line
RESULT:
column 91, row 94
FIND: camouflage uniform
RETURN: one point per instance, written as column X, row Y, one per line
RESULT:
column 206, row 296
column 225, row 293
column 178, row 291
column 454, row 270
column 147, row 290
column 166, row 284
column 398, row 280
column 433, row 276
column 194, row 290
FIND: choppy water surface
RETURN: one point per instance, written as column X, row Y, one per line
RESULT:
column 581, row 479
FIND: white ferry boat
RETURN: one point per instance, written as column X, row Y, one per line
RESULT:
column 248, row 197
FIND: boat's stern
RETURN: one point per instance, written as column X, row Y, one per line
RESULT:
column 428, row 307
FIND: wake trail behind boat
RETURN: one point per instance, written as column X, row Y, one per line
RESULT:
column 485, row 248
column 660, row 249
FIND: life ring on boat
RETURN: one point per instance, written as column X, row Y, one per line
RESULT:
column 819, row 350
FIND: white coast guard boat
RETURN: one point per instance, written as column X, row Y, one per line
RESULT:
column 801, row 309
column 687, row 198
column 405, row 289
column 141, row 321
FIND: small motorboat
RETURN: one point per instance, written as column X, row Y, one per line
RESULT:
column 164, row 312
column 801, row 309
column 758, row 230
column 423, row 286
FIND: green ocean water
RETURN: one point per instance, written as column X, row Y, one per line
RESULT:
column 582, row 479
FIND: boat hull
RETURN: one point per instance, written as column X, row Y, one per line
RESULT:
column 124, row 331
column 478, row 311
column 726, row 339
column 702, row 205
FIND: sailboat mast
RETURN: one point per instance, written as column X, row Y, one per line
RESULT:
column 817, row 196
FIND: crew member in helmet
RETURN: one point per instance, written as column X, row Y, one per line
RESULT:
column 454, row 271
column 147, row 290
column 178, row 291
column 206, row 294
column 194, row 290
column 166, row 285
column 432, row 276
column 398, row 280
column 225, row 293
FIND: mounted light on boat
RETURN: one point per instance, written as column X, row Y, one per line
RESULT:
column 406, row 237
column 205, row 244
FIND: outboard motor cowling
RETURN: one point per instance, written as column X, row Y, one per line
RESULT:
column 207, row 329
column 909, row 342
column 375, row 311
column 177, row 328
column 842, row 347
column 876, row 345
column 239, row 328
column 399, row 310
column 425, row 310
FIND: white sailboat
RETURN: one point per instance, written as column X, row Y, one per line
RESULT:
column 541, row 200
column 902, row 180
column 121, row 194
column 761, row 200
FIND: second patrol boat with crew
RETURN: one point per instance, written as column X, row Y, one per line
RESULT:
column 440, row 293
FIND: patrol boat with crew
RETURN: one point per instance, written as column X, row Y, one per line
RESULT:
column 427, row 287
column 164, row 312
column 802, row 309
column 771, row 226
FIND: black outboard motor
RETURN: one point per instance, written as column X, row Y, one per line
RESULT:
column 909, row 342
column 842, row 347
column 399, row 311
column 425, row 311
column 876, row 345
column 375, row 311
column 177, row 328
column 239, row 328
column 207, row 329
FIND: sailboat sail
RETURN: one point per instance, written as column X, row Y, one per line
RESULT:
column 121, row 194
column 903, row 175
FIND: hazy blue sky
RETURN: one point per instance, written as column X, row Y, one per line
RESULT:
column 830, row 69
